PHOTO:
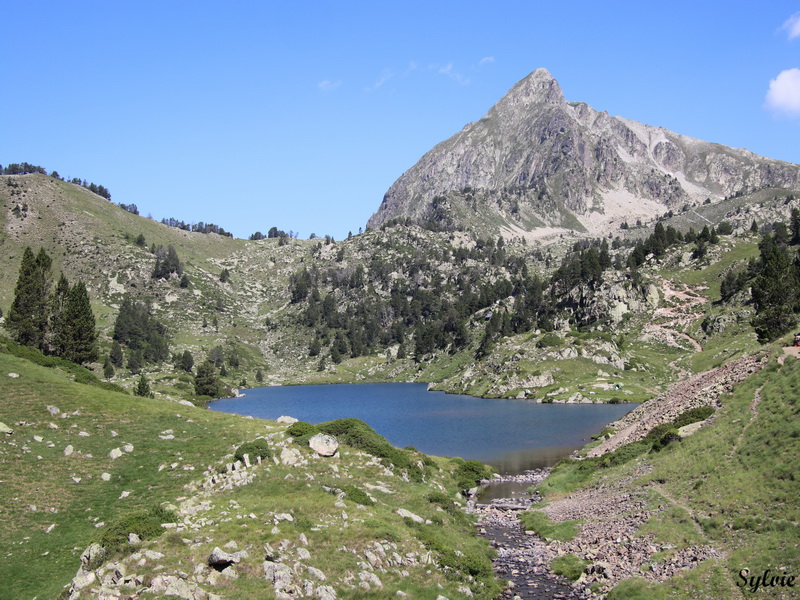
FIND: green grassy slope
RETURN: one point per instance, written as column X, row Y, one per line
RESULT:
column 732, row 486
column 54, row 503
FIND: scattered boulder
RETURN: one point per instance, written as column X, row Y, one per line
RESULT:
column 323, row 444
column 53, row 410
column 69, row 450
column 14, row 375
column 220, row 560
column 286, row 420
column 408, row 514
column 115, row 453
column 6, row 429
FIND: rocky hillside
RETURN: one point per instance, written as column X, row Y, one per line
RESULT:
column 537, row 162
column 108, row 496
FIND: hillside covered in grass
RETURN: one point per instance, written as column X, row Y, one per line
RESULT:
column 682, row 512
column 84, row 465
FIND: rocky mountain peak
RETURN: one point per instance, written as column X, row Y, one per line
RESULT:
column 536, row 163
column 538, row 87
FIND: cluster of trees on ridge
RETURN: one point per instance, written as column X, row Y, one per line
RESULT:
column 27, row 168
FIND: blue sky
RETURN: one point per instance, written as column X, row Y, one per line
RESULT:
column 302, row 114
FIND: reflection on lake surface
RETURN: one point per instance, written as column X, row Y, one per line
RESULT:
column 512, row 435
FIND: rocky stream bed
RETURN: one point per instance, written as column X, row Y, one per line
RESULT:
column 521, row 556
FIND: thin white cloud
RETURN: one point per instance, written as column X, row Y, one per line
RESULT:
column 792, row 26
column 784, row 93
column 327, row 85
column 448, row 71
column 485, row 60
column 385, row 76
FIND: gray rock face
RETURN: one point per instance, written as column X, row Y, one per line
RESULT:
column 537, row 160
column 323, row 444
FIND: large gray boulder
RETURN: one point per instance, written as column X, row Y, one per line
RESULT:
column 6, row 429
column 323, row 444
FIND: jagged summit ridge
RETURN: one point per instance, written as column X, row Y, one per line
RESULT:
column 536, row 163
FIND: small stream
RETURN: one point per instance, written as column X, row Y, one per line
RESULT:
column 519, row 555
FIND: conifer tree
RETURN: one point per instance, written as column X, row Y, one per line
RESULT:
column 108, row 368
column 116, row 355
column 206, row 381
column 142, row 388
column 27, row 319
column 77, row 340
column 57, row 305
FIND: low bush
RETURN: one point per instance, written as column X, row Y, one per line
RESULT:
column 548, row 340
column 146, row 523
column 301, row 432
column 356, row 495
column 470, row 474
column 258, row 448
column 356, row 433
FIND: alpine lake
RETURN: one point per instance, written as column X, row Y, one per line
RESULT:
column 511, row 435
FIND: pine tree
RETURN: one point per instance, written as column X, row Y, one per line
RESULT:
column 27, row 319
column 57, row 305
column 108, row 368
column 206, row 382
column 116, row 356
column 142, row 388
column 259, row 376
column 77, row 339
column 186, row 361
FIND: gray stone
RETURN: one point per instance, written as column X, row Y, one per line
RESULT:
column 219, row 559
column 115, row 453
column 278, row 573
column 6, row 429
column 408, row 514
column 83, row 579
column 291, row 456
column 53, row 410
column 325, row 592
column 92, row 556
column 286, row 420
column 14, row 375
column 323, row 444
column 68, row 450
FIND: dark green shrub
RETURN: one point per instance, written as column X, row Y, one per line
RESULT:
column 255, row 449
column 301, row 432
column 701, row 413
column 146, row 523
column 356, row 495
column 356, row 433
column 665, row 440
column 443, row 500
column 471, row 473
column 548, row 340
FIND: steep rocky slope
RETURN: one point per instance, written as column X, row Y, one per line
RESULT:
column 537, row 162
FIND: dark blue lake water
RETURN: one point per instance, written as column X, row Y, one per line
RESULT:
column 512, row 435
